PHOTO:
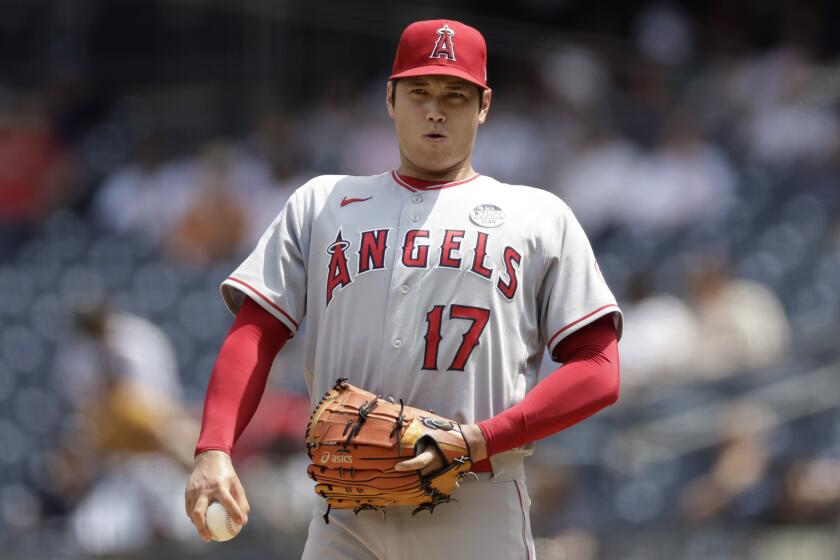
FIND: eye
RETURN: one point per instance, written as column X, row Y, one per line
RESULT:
column 418, row 91
column 456, row 94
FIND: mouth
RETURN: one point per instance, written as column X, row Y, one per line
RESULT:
column 434, row 136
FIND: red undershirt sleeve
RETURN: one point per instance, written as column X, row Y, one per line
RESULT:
column 239, row 376
column 585, row 383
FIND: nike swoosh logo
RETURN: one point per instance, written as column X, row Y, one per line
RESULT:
column 345, row 201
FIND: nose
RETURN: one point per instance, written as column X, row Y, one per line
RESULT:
column 434, row 114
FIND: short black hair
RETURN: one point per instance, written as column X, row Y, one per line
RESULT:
column 394, row 81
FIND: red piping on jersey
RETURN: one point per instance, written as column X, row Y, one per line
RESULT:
column 524, row 522
column 413, row 184
column 573, row 323
column 268, row 301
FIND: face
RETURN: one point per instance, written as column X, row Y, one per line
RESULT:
column 436, row 119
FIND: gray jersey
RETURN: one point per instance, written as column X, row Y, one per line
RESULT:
column 445, row 296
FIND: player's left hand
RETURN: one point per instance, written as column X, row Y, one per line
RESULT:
column 429, row 460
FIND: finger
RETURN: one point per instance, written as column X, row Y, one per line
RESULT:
column 418, row 462
column 239, row 495
column 437, row 463
column 187, row 501
column 190, row 494
column 231, row 506
column 197, row 515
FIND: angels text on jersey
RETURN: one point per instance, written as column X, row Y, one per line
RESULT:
column 414, row 247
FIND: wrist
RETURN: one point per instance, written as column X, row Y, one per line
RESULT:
column 211, row 455
column 476, row 441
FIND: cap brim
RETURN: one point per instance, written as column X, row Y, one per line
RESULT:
column 438, row 70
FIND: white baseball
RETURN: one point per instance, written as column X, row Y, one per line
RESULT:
column 220, row 524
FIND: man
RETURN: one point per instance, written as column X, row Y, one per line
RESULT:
column 433, row 284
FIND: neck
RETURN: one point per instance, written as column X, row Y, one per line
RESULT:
column 461, row 170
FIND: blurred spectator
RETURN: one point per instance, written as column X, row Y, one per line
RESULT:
column 37, row 174
column 685, row 181
column 645, row 98
column 663, row 34
column 272, row 146
column 789, row 120
column 660, row 338
column 214, row 223
column 741, row 324
column 595, row 180
column 371, row 147
column 509, row 143
column 740, row 464
column 327, row 125
column 109, row 348
column 272, row 142
column 131, row 441
column 76, row 102
column 811, row 491
column 145, row 197
column 569, row 544
column 577, row 78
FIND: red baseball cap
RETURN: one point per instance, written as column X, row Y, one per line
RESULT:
column 442, row 47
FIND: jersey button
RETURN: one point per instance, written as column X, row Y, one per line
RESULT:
column 396, row 343
column 404, row 289
column 417, row 199
column 415, row 218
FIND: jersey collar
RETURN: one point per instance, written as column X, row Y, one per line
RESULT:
column 413, row 184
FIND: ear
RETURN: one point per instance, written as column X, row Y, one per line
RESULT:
column 485, row 106
column 389, row 97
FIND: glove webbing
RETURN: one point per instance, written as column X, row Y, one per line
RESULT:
column 364, row 409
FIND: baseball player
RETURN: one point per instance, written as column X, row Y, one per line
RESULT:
column 431, row 283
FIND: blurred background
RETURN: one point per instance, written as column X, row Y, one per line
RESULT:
column 144, row 146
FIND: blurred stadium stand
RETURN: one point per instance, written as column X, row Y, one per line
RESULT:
column 684, row 133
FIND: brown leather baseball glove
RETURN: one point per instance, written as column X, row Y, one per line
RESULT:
column 355, row 438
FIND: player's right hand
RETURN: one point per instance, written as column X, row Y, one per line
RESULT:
column 214, row 479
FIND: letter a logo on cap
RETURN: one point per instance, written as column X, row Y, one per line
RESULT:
column 443, row 46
